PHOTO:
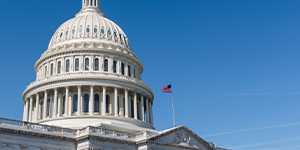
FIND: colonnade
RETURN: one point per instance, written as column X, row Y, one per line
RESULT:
column 88, row 100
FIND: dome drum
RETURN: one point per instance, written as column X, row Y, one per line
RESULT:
column 75, row 101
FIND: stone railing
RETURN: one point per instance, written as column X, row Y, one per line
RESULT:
column 14, row 124
column 73, row 133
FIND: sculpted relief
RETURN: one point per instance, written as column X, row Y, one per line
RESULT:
column 182, row 139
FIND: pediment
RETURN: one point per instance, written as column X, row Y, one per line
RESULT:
column 183, row 137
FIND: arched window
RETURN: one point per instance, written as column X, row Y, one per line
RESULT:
column 68, row 65
column 86, row 103
column 51, row 72
column 95, row 4
column 75, row 103
column 77, row 64
column 122, row 69
column 115, row 67
column 129, row 71
column 87, row 64
column 63, row 105
column 59, row 67
column 96, row 64
column 96, row 107
column 107, row 103
column 134, row 72
column 91, row 4
column 106, row 65
column 46, row 71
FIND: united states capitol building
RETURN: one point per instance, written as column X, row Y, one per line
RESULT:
column 88, row 95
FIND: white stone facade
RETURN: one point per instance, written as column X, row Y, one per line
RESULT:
column 17, row 135
column 89, row 95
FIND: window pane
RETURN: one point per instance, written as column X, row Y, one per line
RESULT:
column 129, row 71
column 59, row 67
column 87, row 64
column 96, row 64
column 77, row 64
column 105, row 65
column 75, row 102
column 64, row 104
column 107, row 104
column 96, row 103
column 115, row 67
column 86, row 103
column 132, row 107
column 122, row 68
column 48, row 107
column 68, row 65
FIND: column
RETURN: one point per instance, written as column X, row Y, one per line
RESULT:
column 30, row 109
column 121, row 105
column 54, row 114
column 59, row 105
column 116, row 102
column 26, row 110
column 67, row 103
column 135, row 106
column 151, row 113
column 70, row 104
column 45, row 105
column 142, row 109
column 37, row 104
column 126, row 103
column 51, row 106
column 79, row 101
column 104, row 101
column 92, row 101
column 147, row 111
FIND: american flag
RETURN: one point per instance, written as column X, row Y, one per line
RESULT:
column 167, row 89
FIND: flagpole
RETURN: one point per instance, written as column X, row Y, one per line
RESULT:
column 173, row 107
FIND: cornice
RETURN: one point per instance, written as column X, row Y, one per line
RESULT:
column 104, row 139
column 166, row 145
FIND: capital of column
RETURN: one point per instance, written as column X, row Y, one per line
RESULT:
column 67, row 87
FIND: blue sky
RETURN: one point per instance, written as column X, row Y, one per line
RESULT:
column 234, row 63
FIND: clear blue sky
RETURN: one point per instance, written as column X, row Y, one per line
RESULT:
column 234, row 64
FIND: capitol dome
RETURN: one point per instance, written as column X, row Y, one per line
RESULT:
column 89, row 76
